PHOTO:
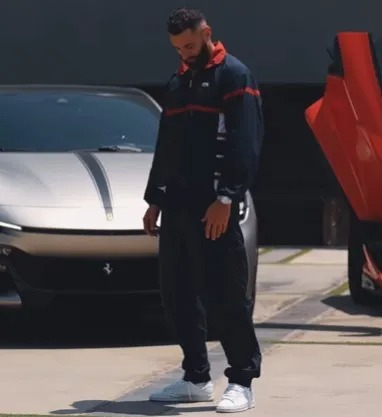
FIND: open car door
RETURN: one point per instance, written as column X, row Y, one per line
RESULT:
column 347, row 122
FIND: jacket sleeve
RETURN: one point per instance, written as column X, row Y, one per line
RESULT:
column 154, row 191
column 243, row 122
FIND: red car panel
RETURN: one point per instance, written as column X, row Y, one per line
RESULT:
column 347, row 122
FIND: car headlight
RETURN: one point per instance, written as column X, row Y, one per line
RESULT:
column 243, row 209
column 11, row 226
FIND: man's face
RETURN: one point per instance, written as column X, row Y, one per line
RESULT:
column 192, row 47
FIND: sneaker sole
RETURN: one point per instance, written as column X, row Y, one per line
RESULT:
column 234, row 410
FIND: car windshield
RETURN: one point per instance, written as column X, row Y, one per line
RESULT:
column 69, row 120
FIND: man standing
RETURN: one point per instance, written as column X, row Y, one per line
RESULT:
column 206, row 157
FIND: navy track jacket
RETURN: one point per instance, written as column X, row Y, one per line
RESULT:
column 210, row 133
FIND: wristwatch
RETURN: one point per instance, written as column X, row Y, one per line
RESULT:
column 224, row 199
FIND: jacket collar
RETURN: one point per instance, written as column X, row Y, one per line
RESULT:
column 216, row 58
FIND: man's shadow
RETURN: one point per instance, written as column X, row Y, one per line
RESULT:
column 139, row 407
column 345, row 304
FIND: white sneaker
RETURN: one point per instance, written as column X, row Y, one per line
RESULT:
column 235, row 398
column 185, row 391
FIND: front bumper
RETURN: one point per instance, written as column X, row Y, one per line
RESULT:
column 72, row 243
column 72, row 263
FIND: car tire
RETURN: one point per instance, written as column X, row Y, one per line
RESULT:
column 356, row 259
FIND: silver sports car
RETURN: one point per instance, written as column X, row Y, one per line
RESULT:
column 74, row 161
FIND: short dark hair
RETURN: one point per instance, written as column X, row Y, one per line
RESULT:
column 182, row 19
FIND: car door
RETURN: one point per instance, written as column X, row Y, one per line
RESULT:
column 347, row 121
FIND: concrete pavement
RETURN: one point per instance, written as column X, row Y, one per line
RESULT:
column 318, row 356
column 332, row 367
column 327, row 365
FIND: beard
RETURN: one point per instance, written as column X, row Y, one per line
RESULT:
column 200, row 60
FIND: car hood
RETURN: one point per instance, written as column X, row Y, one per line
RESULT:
column 78, row 187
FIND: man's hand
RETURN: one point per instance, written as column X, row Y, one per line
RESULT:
column 150, row 219
column 216, row 219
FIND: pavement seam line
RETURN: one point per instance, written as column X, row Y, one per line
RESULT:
column 264, row 251
column 289, row 258
column 296, row 333
column 339, row 290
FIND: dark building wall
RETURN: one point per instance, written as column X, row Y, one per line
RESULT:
column 99, row 41
column 291, row 36
column 125, row 41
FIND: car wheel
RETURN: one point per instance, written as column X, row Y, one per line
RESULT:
column 356, row 260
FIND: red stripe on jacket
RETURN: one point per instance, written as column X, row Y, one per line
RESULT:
column 242, row 91
column 205, row 109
